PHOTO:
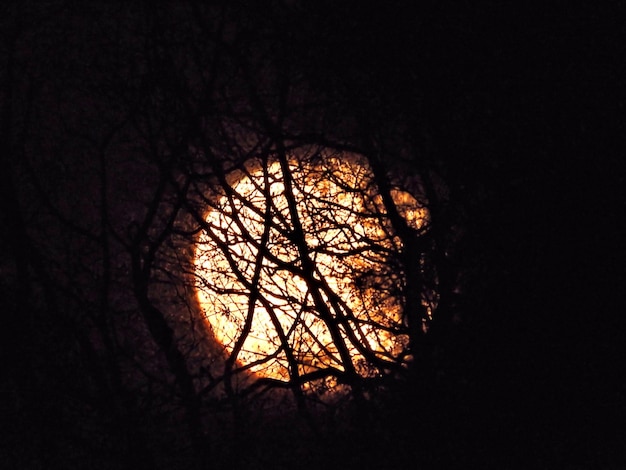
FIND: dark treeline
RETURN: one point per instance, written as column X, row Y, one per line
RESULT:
column 115, row 118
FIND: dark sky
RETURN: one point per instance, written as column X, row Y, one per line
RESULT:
column 523, row 110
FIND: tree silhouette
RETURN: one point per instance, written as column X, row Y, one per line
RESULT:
column 305, row 269
column 168, row 169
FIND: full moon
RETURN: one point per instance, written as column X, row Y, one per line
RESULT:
column 298, row 268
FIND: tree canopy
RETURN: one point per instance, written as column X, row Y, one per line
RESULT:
column 233, row 234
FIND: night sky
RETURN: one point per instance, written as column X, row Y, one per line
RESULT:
column 516, row 110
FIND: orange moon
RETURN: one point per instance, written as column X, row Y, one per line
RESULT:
column 250, row 272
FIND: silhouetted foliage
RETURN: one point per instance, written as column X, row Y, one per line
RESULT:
column 302, row 233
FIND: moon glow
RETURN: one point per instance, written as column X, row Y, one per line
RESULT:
column 301, row 277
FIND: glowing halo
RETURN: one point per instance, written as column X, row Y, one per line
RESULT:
column 252, row 280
